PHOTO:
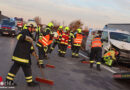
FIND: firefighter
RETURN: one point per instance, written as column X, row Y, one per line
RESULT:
column 44, row 41
column 64, row 42
column 96, row 52
column 56, row 42
column 77, row 43
column 22, row 58
column 110, row 56
column 71, row 39
column 48, row 30
column 25, row 26
column 38, row 31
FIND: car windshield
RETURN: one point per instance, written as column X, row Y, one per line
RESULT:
column 120, row 37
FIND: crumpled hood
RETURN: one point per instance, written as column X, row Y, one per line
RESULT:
column 120, row 44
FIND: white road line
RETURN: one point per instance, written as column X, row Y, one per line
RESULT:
column 107, row 68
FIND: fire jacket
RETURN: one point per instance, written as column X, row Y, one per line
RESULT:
column 78, row 39
column 23, row 48
column 96, row 42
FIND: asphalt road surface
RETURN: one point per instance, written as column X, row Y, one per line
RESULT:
column 69, row 73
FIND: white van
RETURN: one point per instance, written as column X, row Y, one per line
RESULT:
column 112, row 38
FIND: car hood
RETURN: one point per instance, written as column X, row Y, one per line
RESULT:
column 120, row 44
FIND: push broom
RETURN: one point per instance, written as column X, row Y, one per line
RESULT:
column 42, row 80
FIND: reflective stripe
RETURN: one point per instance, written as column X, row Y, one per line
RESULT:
column 39, row 45
column 29, row 81
column 91, row 61
column 32, row 48
column 44, row 39
column 45, row 42
column 76, row 54
column 9, row 78
column 77, row 44
column 40, row 61
column 30, row 77
column 10, row 74
column 98, row 63
column 20, row 59
column 73, row 53
column 52, row 48
column 19, row 36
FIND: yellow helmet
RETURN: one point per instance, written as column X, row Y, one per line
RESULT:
column 60, row 27
column 79, row 30
column 67, row 28
column 51, row 24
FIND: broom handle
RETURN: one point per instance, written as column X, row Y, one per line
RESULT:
column 37, row 60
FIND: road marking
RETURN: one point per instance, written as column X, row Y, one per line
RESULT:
column 107, row 68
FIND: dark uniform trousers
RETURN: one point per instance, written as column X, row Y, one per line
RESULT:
column 54, row 45
column 96, row 54
column 15, row 68
column 63, row 49
column 75, row 50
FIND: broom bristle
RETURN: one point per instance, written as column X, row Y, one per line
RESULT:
column 51, row 66
column 42, row 80
column 87, row 62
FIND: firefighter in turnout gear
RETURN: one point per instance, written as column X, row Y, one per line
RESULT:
column 77, row 43
column 96, row 52
column 22, row 58
column 110, row 56
column 71, row 38
column 56, row 41
column 44, row 41
column 25, row 27
column 38, row 31
column 64, row 42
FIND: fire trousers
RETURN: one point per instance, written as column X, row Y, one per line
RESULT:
column 96, row 54
column 75, row 50
column 15, row 68
column 63, row 49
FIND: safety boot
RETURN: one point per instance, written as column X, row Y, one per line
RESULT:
column 98, row 67
column 91, row 65
column 33, row 84
column 10, row 83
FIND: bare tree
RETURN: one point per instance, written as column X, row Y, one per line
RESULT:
column 37, row 19
column 75, row 25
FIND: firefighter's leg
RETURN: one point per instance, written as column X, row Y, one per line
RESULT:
column 41, row 57
column 65, row 49
column 12, row 73
column 53, row 46
column 73, row 51
column 99, row 57
column 92, row 56
column 77, row 51
column 61, row 49
column 58, row 47
column 28, row 75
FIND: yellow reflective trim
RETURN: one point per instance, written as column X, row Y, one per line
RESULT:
column 76, row 54
column 10, row 74
column 73, row 53
column 9, row 78
column 98, row 63
column 91, row 61
column 29, row 81
column 39, row 45
column 77, row 44
column 52, row 48
column 30, row 77
column 32, row 48
column 20, row 59
column 19, row 36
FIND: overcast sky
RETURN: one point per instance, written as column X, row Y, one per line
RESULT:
column 93, row 13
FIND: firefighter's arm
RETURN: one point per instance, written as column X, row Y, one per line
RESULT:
column 21, row 37
column 29, row 39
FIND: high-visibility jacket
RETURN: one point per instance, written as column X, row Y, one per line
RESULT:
column 96, row 42
column 110, row 53
column 65, row 39
column 38, row 29
column 78, row 39
column 59, row 34
column 45, row 40
column 25, row 26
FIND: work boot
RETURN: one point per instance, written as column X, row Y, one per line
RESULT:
column 10, row 83
column 73, row 56
column 91, row 65
column 98, row 67
column 76, row 56
column 33, row 84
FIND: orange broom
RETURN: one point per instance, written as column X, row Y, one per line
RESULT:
column 42, row 80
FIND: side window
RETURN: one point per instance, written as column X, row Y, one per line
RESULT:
column 104, row 36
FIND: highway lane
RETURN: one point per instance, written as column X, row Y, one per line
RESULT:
column 69, row 73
